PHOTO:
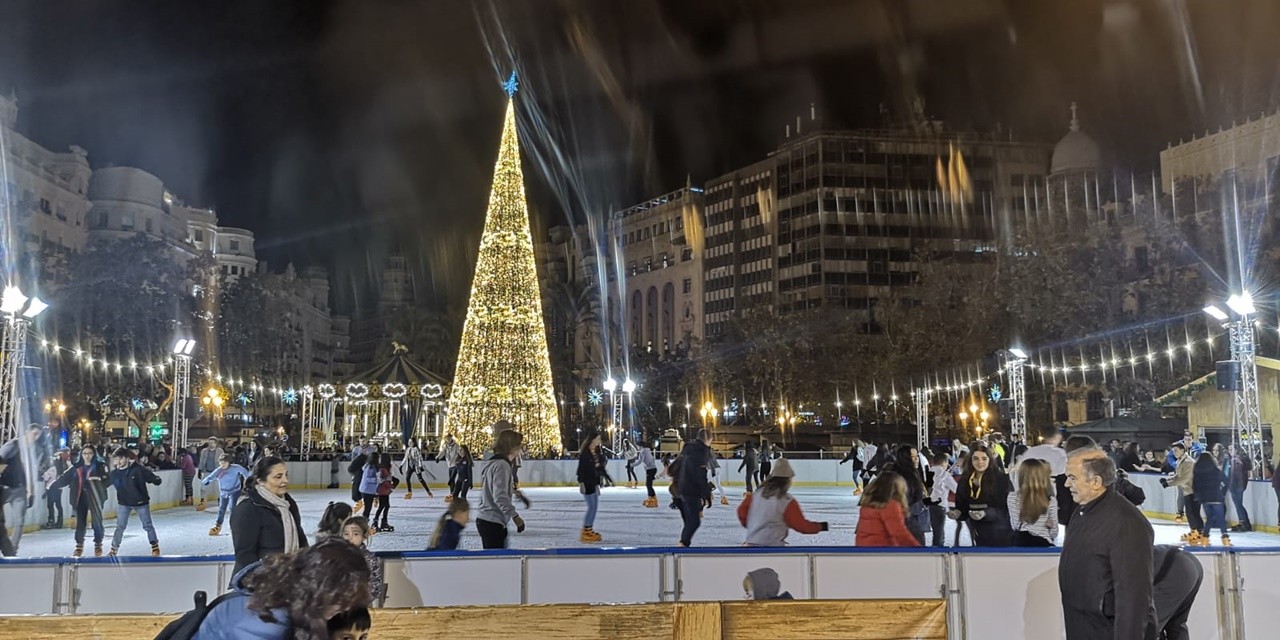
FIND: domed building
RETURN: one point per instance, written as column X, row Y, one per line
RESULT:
column 1074, row 173
column 1076, row 152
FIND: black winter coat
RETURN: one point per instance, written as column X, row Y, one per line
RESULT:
column 131, row 484
column 91, row 485
column 588, row 472
column 1105, row 572
column 257, row 530
column 1207, row 482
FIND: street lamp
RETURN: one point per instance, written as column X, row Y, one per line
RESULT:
column 182, row 350
column 19, row 310
column 1246, row 414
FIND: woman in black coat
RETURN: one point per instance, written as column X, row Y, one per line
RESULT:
column 266, row 520
column 982, row 500
column 87, row 479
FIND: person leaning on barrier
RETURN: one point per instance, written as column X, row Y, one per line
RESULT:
column 1176, row 582
column 1105, row 571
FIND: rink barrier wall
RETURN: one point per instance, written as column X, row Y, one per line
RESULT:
column 1259, row 497
column 781, row 620
column 989, row 593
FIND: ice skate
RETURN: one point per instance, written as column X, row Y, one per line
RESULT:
column 448, row 499
column 1226, row 540
column 651, row 502
column 202, row 506
column 1178, row 519
column 724, row 500
column 589, row 535
column 78, row 552
column 97, row 550
column 359, row 506
column 215, row 529
column 113, row 553
column 408, row 495
column 155, row 550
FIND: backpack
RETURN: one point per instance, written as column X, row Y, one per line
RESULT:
column 357, row 465
column 186, row 626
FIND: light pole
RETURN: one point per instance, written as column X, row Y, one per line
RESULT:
column 1246, row 416
column 18, row 310
column 1015, row 361
column 181, row 387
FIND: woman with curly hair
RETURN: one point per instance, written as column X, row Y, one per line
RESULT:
column 291, row 596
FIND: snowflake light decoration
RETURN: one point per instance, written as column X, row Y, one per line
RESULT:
column 595, row 397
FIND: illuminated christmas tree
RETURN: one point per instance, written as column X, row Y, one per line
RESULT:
column 504, row 372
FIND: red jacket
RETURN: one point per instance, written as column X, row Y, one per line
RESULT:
column 885, row 527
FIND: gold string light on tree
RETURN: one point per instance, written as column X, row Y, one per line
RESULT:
column 504, row 370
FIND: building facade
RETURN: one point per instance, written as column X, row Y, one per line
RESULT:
column 45, row 199
column 836, row 220
column 663, row 266
column 1251, row 150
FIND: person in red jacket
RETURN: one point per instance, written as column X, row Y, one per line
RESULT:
column 882, row 520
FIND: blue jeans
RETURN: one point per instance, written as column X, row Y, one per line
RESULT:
column 122, row 522
column 593, row 502
column 1242, row 514
column 226, row 500
column 1215, row 517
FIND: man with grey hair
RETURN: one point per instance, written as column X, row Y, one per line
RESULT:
column 1105, row 571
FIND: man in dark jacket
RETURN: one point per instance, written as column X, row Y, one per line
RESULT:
column 1104, row 571
column 130, row 480
column 1177, row 579
column 694, row 458
column 1067, row 504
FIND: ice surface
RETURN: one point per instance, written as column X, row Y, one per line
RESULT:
column 554, row 520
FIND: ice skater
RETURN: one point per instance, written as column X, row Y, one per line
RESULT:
column 448, row 454
column 464, row 478
column 87, row 479
column 750, row 465
column 855, row 456
column 690, row 487
column 412, row 466
column 589, row 466
column 632, row 455
column 766, row 461
column 130, row 480
column 650, row 472
column 230, row 478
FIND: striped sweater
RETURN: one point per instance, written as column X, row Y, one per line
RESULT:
column 1046, row 526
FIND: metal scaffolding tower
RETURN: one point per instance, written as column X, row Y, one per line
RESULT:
column 1246, row 417
column 922, row 418
column 15, row 352
column 1015, row 368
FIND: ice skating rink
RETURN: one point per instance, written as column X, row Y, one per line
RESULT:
column 553, row 521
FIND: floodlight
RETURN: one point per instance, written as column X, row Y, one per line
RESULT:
column 1018, row 353
column 1218, row 314
column 610, row 384
column 1242, row 304
column 13, row 300
column 628, row 386
column 35, row 307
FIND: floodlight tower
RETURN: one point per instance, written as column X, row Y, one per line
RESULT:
column 1246, row 415
column 1015, row 361
column 19, row 310
column 181, row 388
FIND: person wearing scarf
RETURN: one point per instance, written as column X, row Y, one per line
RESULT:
column 266, row 521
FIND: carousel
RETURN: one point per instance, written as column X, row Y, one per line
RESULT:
column 391, row 403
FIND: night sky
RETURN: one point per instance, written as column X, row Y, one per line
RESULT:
column 339, row 130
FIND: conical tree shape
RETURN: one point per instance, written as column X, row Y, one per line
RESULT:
column 504, row 372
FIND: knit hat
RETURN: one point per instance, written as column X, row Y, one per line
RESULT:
column 781, row 469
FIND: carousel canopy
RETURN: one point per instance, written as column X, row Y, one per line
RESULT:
column 399, row 369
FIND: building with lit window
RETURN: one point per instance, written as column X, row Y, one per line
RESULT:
column 836, row 219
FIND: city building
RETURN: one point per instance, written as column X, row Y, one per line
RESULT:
column 837, row 219
column 46, row 200
column 1250, row 150
column 663, row 261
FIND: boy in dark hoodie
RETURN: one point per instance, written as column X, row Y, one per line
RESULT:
column 130, row 480
column 763, row 584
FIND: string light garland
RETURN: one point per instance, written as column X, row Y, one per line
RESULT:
column 504, row 369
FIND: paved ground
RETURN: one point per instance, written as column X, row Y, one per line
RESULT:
column 553, row 521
